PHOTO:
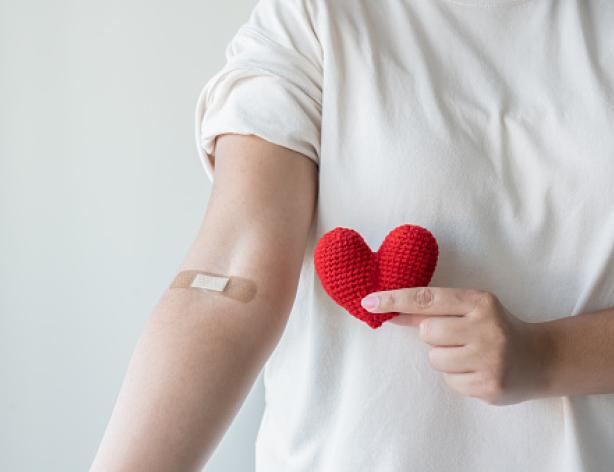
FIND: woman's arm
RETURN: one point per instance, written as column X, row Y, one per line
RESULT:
column 199, row 352
column 578, row 353
column 485, row 351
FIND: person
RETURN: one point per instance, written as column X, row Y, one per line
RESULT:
column 488, row 122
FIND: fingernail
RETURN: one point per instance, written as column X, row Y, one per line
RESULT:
column 370, row 302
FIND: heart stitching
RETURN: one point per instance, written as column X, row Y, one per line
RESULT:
column 349, row 270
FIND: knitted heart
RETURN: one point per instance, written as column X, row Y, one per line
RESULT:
column 349, row 270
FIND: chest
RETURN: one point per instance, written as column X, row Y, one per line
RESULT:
column 441, row 120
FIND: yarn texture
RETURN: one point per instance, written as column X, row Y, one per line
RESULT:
column 348, row 270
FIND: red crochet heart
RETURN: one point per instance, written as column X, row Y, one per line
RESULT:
column 349, row 270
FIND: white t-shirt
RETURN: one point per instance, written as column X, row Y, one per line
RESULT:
column 489, row 122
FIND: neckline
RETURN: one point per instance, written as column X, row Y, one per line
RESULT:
column 486, row 3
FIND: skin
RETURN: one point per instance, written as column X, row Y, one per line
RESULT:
column 486, row 352
column 199, row 352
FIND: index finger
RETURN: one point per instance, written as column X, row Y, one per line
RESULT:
column 424, row 300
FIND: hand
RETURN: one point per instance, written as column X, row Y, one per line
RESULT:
column 482, row 349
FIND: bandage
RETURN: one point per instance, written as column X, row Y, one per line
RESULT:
column 231, row 286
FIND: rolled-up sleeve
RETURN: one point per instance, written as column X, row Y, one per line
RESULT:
column 270, row 85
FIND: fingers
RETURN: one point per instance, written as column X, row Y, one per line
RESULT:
column 405, row 319
column 466, row 383
column 446, row 331
column 476, row 384
column 452, row 359
column 424, row 301
column 442, row 331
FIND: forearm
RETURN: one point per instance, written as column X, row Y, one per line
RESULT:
column 200, row 351
column 578, row 354
column 191, row 369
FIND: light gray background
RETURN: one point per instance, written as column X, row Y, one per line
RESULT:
column 101, row 194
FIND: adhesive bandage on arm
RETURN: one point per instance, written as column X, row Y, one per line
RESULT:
column 231, row 286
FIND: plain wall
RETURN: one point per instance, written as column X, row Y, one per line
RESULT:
column 101, row 194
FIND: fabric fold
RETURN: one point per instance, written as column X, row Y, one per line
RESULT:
column 266, row 88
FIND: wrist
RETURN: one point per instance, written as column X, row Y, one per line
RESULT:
column 543, row 342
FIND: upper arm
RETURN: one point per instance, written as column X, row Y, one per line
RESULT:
column 258, row 217
column 260, row 114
